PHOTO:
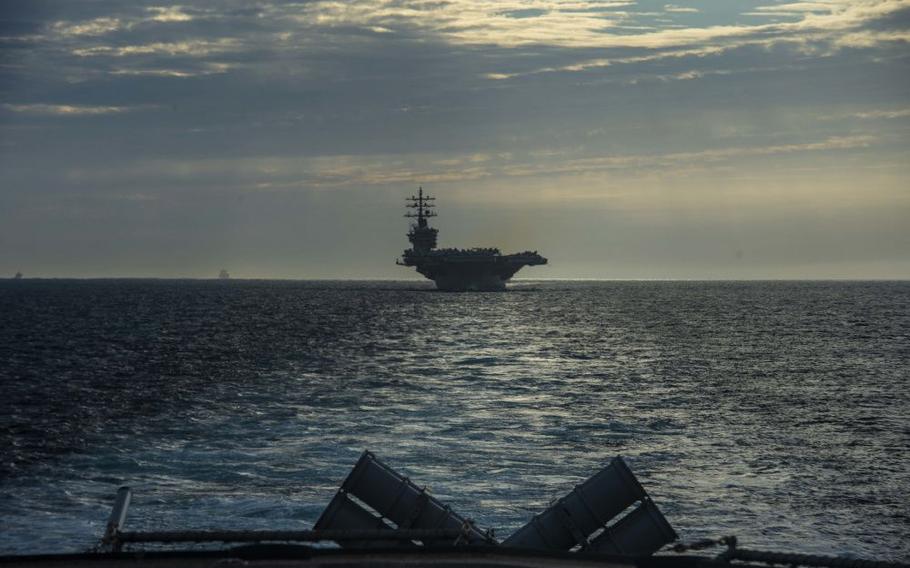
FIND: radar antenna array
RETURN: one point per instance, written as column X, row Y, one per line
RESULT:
column 422, row 204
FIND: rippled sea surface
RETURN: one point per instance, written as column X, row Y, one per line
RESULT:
column 775, row 411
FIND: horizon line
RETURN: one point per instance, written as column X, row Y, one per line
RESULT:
column 414, row 280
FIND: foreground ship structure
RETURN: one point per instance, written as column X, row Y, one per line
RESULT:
column 457, row 270
column 378, row 508
column 379, row 518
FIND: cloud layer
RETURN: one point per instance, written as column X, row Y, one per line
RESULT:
column 107, row 107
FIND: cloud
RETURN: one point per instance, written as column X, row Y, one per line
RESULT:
column 342, row 171
column 583, row 24
column 588, row 34
column 205, row 69
column 679, row 9
column 795, row 8
column 821, row 28
column 106, row 25
column 169, row 14
column 870, row 38
column 607, row 62
column 878, row 114
column 95, row 27
column 67, row 110
column 686, row 159
column 196, row 48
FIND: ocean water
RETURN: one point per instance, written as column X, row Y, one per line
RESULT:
column 775, row 411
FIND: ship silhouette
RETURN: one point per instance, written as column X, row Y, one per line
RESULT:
column 457, row 270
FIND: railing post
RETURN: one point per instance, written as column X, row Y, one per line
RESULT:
column 117, row 519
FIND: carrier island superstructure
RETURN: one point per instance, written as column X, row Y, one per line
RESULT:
column 457, row 270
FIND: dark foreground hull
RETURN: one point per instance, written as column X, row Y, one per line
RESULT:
column 304, row 556
column 288, row 556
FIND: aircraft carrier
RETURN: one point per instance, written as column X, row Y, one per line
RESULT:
column 457, row 270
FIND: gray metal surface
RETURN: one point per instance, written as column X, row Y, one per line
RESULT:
column 584, row 511
column 641, row 532
column 382, row 536
column 396, row 498
column 343, row 514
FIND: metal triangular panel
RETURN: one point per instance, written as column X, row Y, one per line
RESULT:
column 342, row 513
column 584, row 511
column 642, row 532
column 402, row 502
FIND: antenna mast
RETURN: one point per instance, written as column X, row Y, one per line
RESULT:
column 423, row 206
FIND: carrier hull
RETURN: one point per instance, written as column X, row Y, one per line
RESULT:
column 465, row 274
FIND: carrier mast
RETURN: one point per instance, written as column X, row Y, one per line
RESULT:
column 421, row 235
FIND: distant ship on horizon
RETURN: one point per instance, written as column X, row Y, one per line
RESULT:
column 224, row 274
column 457, row 270
column 18, row 276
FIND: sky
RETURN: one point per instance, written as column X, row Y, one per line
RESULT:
column 622, row 139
